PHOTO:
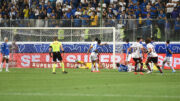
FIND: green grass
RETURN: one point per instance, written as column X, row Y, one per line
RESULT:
column 82, row 85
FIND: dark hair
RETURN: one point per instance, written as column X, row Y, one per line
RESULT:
column 138, row 38
column 55, row 38
column 96, row 39
column 127, row 40
column 99, row 41
column 167, row 41
column 117, row 64
column 152, row 38
column 148, row 40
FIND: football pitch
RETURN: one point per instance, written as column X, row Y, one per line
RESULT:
column 82, row 85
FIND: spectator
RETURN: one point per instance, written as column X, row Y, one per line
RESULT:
column 37, row 12
column 94, row 19
column 169, row 8
column 12, row 14
column 26, row 12
column 153, row 11
column 39, row 22
column 177, row 28
column 1, row 19
column 123, row 4
column 77, row 21
column 175, row 13
column 31, row 14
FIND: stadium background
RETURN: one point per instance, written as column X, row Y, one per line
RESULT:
column 131, row 18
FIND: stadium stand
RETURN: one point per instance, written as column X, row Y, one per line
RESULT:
column 161, row 14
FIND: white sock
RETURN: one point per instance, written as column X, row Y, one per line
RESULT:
column 7, row 67
column 97, row 67
column 92, row 67
column 1, row 66
column 152, row 65
column 129, row 67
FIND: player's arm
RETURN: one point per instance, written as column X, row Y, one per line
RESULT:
column 62, row 48
column 128, row 50
column 50, row 51
column 89, row 49
column 103, row 44
column 2, row 49
column 149, row 50
column 170, row 51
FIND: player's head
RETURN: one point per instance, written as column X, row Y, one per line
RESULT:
column 55, row 38
column 141, row 39
column 96, row 39
column 127, row 40
column 5, row 39
column 138, row 39
column 167, row 41
column 148, row 40
column 117, row 64
column 99, row 42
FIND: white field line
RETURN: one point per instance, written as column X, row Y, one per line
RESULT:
column 89, row 95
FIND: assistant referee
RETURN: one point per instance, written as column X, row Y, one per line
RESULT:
column 55, row 48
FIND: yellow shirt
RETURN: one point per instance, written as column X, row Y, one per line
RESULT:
column 94, row 22
column 56, row 46
column 26, row 13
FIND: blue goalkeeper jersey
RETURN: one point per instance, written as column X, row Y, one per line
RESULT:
column 122, row 68
column 168, row 48
column 4, row 49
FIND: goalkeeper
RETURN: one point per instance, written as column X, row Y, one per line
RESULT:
column 55, row 48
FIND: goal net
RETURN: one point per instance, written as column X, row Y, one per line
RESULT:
column 32, row 43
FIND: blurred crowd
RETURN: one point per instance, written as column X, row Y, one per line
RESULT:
column 89, row 9
column 149, row 15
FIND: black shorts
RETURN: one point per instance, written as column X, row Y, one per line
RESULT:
column 57, row 55
column 153, row 59
column 137, row 60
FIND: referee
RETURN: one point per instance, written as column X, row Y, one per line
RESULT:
column 55, row 48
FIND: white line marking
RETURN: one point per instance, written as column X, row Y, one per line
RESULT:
column 90, row 95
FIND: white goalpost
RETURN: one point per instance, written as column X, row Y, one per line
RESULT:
column 68, row 35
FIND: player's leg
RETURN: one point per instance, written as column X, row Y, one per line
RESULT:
column 135, row 68
column 62, row 63
column 92, row 65
column 97, row 70
column 169, row 63
column 54, row 62
column 147, row 65
column 7, row 63
column 165, row 60
column 155, row 61
column 128, row 58
column 2, row 64
column 158, row 67
column 141, row 66
column 92, row 62
column 151, row 65
column 96, row 62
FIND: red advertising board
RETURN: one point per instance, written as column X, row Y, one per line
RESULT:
column 26, row 60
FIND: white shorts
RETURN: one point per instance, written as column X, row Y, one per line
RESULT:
column 128, row 57
column 168, row 59
column 6, row 56
column 94, row 56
